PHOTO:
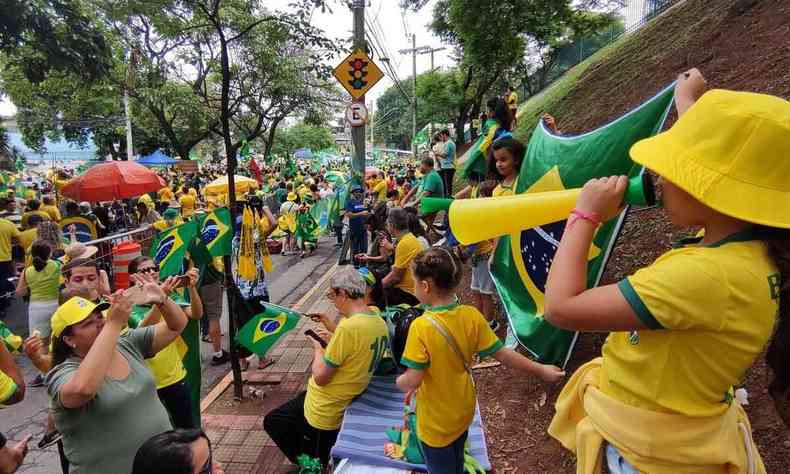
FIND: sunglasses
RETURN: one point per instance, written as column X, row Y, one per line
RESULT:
column 154, row 269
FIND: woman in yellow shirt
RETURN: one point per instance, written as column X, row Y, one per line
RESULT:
column 684, row 330
column 439, row 351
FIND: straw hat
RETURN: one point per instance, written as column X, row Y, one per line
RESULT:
column 79, row 250
column 730, row 151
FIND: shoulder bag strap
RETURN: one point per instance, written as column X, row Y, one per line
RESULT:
column 450, row 341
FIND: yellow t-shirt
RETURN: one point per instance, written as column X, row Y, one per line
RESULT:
column 502, row 190
column 166, row 194
column 712, row 309
column 408, row 247
column 356, row 347
column 446, row 397
column 187, row 202
column 380, row 190
column 7, row 387
column 26, row 217
column 7, row 231
column 26, row 238
column 166, row 366
column 52, row 211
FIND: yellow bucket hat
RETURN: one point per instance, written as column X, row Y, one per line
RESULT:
column 730, row 151
column 73, row 311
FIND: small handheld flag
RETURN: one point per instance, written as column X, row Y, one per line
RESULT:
column 265, row 329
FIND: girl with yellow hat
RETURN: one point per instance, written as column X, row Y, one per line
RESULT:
column 684, row 330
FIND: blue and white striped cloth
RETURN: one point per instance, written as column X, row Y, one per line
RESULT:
column 362, row 435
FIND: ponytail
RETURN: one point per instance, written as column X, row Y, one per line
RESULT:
column 40, row 251
column 777, row 242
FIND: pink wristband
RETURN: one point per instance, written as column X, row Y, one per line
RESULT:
column 587, row 216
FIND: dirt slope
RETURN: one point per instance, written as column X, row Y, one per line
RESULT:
column 738, row 44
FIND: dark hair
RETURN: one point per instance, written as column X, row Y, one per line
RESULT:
column 415, row 226
column 136, row 261
column 777, row 242
column 486, row 188
column 398, row 218
column 515, row 147
column 440, row 266
column 78, row 262
column 60, row 350
column 34, row 220
column 501, row 112
column 168, row 453
column 48, row 200
column 33, row 204
column 445, row 132
column 72, row 207
column 40, row 251
column 428, row 162
column 392, row 193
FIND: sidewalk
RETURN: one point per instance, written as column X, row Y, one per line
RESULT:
column 236, row 429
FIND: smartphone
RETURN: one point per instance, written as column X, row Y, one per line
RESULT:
column 315, row 336
column 183, row 281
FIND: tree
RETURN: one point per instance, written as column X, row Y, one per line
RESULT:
column 437, row 99
column 301, row 135
column 52, row 35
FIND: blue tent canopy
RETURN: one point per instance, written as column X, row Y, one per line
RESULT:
column 157, row 158
column 303, row 154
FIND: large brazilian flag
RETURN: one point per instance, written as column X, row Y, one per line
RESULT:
column 522, row 260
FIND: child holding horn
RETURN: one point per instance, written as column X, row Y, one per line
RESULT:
column 684, row 330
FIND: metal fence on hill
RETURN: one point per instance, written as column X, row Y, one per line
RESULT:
column 635, row 15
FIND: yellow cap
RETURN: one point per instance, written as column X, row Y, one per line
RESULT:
column 730, row 151
column 73, row 311
column 292, row 196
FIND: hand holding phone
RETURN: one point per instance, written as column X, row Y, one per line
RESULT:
column 316, row 337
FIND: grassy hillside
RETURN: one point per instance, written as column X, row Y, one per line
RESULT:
column 737, row 44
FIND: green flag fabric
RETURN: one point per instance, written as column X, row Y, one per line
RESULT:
column 170, row 246
column 216, row 232
column 12, row 341
column 263, row 330
column 522, row 260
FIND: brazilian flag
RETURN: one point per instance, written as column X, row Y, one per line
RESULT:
column 216, row 232
column 263, row 330
column 170, row 246
column 553, row 163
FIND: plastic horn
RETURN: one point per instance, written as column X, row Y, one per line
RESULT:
column 476, row 220
column 429, row 205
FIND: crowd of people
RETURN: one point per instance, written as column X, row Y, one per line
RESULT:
column 682, row 331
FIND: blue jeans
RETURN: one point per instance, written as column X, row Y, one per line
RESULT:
column 617, row 463
column 446, row 460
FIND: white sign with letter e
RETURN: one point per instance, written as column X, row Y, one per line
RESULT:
column 356, row 114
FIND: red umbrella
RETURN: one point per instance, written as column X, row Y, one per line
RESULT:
column 113, row 180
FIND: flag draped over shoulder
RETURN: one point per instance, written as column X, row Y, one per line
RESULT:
column 522, row 260
column 170, row 246
column 216, row 232
column 263, row 330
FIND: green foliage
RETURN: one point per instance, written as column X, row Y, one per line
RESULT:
column 46, row 35
column 301, row 135
column 438, row 96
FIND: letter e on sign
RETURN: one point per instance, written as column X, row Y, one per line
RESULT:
column 356, row 114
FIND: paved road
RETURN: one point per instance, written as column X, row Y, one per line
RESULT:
column 291, row 279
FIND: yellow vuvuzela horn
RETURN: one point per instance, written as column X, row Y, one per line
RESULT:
column 476, row 220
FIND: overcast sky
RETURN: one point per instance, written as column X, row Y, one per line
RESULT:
column 391, row 25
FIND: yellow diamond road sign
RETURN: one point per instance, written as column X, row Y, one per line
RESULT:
column 358, row 73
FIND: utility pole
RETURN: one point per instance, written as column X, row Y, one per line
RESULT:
column 414, row 52
column 358, row 133
column 414, row 94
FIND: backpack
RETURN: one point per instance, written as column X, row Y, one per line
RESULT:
column 399, row 319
